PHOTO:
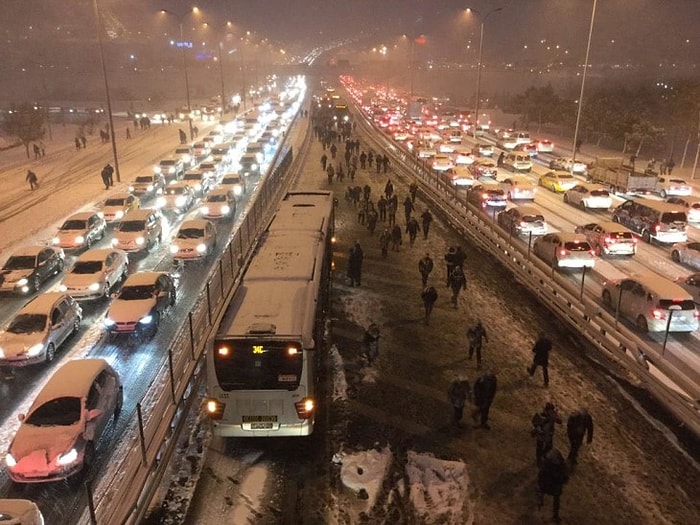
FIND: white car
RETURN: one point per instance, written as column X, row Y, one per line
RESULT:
column 218, row 204
column 589, row 196
column 545, row 146
column 79, row 231
column 233, row 182
column 523, row 220
column 195, row 239
column 675, row 187
column 39, row 329
column 57, row 437
column 141, row 230
column 564, row 250
column 567, row 164
column 441, row 162
column 178, row 197
column 609, row 238
column 691, row 284
column 463, row 156
column 141, row 303
column 691, row 205
column 95, row 273
column 115, row 208
column 687, row 253
column 460, row 176
column 518, row 188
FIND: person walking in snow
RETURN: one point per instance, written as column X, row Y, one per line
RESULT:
column 408, row 208
column 425, row 266
column 32, row 179
column 427, row 219
column 384, row 240
column 413, row 189
column 543, row 424
column 553, row 474
column 381, row 206
column 457, row 282
column 355, row 257
column 578, row 425
column 476, row 335
column 429, row 295
column 324, row 161
column 396, row 240
column 412, row 228
column 484, row 391
column 540, row 351
column 458, row 393
column 371, row 343
column 388, row 189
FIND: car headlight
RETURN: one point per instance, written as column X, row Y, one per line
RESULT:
column 225, row 209
column 22, row 281
column 67, row 458
column 119, row 214
column 237, row 190
column 35, row 350
column 94, row 287
column 146, row 319
column 157, row 169
column 55, row 240
column 201, row 248
column 80, row 239
column 62, row 288
column 205, row 210
column 109, row 322
column 160, row 202
column 2, row 353
column 10, row 460
column 198, row 186
column 174, row 248
column 140, row 240
column 131, row 189
column 180, row 200
column 253, row 166
column 101, row 214
column 149, row 188
column 114, row 242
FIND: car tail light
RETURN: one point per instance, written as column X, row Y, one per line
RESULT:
column 657, row 227
column 696, row 314
column 305, row 408
column 609, row 240
column 563, row 252
column 658, row 314
column 592, row 252
column 215, row 409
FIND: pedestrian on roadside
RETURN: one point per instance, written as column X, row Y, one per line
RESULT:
column 128, row 133
column 334, row 151
column 388, row 189
column 413, row 189
column 551, row 478
column 370, row 159
column 476, row 335
column 83, row 141
column 578, row 425
column 458, row 393
column 371, row 343
column 384, row 240
column 425, row 266
column 37, row 151
column 449, row 263
column 363, row 159
column 427, row 219
column 107, row 175
column 543, row 430
column 32, row 179
column 499, row 162
column 396, row 240
column 460, row 257
column 355, row 258
column 429, row 295
column 371, row 220
column 670, row 165
column 42, row 147
column 77, row 144
column 484, row 391
column 540, row 351
column 366, row 192
column 385, row 163
column 458, row 282
column 330, row 172
column 362, row 214
column 381, row 206
column 412, row 228
column 391, row 211
column 407, row 208
column 324, row 161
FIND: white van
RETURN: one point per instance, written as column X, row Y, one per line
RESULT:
column 649, row 300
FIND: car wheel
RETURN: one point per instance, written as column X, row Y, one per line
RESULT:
column 554, row 188
column 646, row 236
column 599, row 250
column 60, row 266
column 88, row 460
column 36, row 283
column 50, row 353
column 663, row 194
column 676, row 256
column 642, row 324
column 106, row 291
column 566, row 199
column 607, row 300
column 76, row 325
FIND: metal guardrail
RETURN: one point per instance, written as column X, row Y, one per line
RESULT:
column 678, row 393
column 125, row 491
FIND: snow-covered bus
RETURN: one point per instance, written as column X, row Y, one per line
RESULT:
column 261, row 371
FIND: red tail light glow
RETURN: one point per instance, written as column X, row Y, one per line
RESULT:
column 659, row 315
column 563, row 252
column 305, row 408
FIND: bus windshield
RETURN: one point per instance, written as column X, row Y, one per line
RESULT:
column 258, row 365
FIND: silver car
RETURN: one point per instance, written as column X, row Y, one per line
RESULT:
column 523, row 220
column 687, row 253
column 564, row 250
column 95, row 273
column 39, row 329
column 609, row 238
column 691, row 284
column 79, row 231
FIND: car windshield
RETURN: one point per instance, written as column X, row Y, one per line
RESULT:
column 74, row 224
column 20, row 262
column 135, row 293
column 87, row 267
column 493, row 192
column 63, row 411
column 670, row 217
column 190, row 233
column 27, row 324
column 144, row 180
column 183, row 151
column 600, row 193
column 577, row 246
column 677, row 181
column 206, row 166
column 620, row 235
column 114, row 202
column 217, row 198
column 193, row 176
column 563, row 176
column 132, row 226
column 231, row 180
column 533, row 218
column 167, row 162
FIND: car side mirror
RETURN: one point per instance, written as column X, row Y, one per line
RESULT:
column 93, row 414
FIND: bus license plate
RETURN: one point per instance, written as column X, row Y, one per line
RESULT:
column 261, row 426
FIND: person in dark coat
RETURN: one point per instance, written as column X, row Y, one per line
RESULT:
column 324, row 161
column 476, row 335
column 449, row 263
column 407, row 208
column 499, row 162
column 551, row 478
column 334, row 151
column 371, row 343
column 363, row 160
column 458, row 393
column 425, row 266
column 578, row 425
column 541, row 350
column 182, row 134
column 427, row 219
column 429, row 295
column 413, row 189
column 460, row 257
column 388, row 189
column 77, row 144
column 412, row 228
column 484, row 391
column 384, row 240
column 355, row 257
column 385, row 163
column 370, row 159
column 396, row 237
column 381, row 206
column 458, row 282
column 543, row 430
column 32, row 179
column 107, row 175
column 372, row 220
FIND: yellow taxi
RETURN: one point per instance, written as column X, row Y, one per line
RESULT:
column 558, row 181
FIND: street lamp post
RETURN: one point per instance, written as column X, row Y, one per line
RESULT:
column 478, row 65
column 98, row 22
column 181, row 19
column 583, row 83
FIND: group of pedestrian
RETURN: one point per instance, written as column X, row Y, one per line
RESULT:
column 39, row 150
column 459, row 392
column 80, row 142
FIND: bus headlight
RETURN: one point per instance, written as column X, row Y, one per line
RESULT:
column 140, row 241
column 201, row 248
column 214, row 409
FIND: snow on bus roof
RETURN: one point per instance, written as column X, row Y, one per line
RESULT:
column 303, row 211
column 282, row 257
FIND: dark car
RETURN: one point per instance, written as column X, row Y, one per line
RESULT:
column 28, row 268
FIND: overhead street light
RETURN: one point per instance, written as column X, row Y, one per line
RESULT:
column 180, row 18
column 478, row 66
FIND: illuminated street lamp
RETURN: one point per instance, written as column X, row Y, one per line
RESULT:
column 98, row 22
column 219, row 49
column 583, row 83
column 478, row 66
column 180, row 19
